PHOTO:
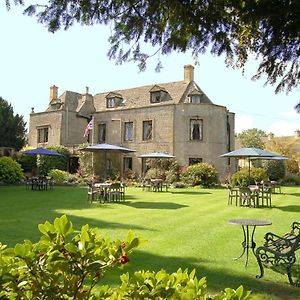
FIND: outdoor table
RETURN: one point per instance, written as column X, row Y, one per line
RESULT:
column 103, row 188
column 255, row 190
column 247, row 242
column 157, row 185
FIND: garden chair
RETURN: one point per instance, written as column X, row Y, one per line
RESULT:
column 233, row 194
column 92, row 192
column 246, row 197
column 116, row 192
column 265, row 195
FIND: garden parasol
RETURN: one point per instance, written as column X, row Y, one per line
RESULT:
column 156, row 155
column 252, row 153
column 107, row 148
column 41, row 151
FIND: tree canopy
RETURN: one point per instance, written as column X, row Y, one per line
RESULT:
column 238, row 29
column 12, row 127
column 252, row 138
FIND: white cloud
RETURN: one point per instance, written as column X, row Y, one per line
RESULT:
column 284, row 128
column 243, row 122
column 289, row 114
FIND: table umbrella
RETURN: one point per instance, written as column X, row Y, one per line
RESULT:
column 156, row 155
column 41, row 151
column 106, row 148
column 253, row 153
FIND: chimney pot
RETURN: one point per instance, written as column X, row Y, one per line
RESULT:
column 188, row 73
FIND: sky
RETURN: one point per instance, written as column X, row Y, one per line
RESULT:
column 32, row 60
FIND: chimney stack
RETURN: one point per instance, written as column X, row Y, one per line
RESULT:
column 53, row 92
column 188, row 73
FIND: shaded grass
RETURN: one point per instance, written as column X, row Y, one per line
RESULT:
column 184, row 228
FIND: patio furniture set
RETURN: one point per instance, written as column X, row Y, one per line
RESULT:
column 106, row 192
column 39, row 183
column 276, row 252
column 252, row 195
column 154, row 185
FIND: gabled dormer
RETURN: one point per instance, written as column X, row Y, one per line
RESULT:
column 114, row 100
column 158, row 94
column 195, row 97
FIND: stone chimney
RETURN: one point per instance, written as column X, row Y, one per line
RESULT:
column 188, row 73
column 53, row 92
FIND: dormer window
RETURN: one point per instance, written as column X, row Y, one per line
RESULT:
column 155, row 97
column 114, row 100
column 158, row 94
column 195, row 97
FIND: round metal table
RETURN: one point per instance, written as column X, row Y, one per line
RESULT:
column 247, row 242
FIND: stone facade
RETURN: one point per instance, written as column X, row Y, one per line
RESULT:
column 180, row 120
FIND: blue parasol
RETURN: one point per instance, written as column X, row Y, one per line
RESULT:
column 41, row 151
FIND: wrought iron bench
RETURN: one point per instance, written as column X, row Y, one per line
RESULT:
column 279, row 251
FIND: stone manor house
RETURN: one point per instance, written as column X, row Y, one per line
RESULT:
column 175, row 118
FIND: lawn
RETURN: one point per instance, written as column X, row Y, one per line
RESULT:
column 184, row 228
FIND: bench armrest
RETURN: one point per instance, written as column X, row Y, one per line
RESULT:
column 271, row 237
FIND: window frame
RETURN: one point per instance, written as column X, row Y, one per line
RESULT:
column 193, row 136
column 43, row 134
column 105, row 131
column 127, row 163
column 130, row 139
column 195, row 160
column 195, row 96
column 144, row 136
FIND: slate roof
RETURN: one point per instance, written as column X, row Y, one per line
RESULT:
column 140, row 96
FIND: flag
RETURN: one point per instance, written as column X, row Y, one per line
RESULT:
column 89, row 127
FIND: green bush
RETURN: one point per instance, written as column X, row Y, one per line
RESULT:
column 202, row 174
column 27, row 162
column 46, row 163
column 241, row 178
column 65, row 265
column 291, row 179
column 58, row 266
column 275, row 169
column 173, row 174
column 10, row 170
column 155, row 173
column 59, row 176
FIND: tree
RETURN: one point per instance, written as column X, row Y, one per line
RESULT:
column 286, row 147
column 237, row 29
column 252, row 138
column 12, row 127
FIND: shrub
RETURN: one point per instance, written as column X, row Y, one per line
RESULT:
column 10, row 170
column 241, row 178
column 62, row 265
column 173, row 174
column 201, row 174
column 155, row 173
column 275, row 169
column 27, row 162
column 46, row 163
column 291, row 179
column 57, row 267
column 59, row 176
